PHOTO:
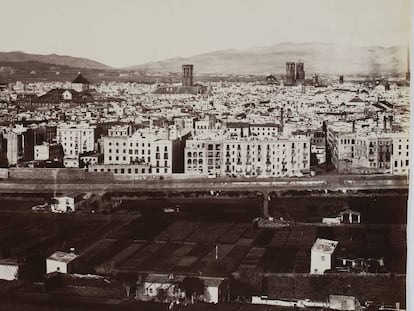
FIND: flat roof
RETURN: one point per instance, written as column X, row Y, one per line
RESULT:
column 324, row 246
column 62, row 257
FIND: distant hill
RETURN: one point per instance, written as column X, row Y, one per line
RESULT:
column 318, row 58
column 61, row 60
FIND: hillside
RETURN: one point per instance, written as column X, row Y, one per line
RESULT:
column 61, row 60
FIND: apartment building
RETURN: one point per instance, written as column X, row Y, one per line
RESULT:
column 140, row 148
column 269, row 157
column 375, row 151
column 204, row 157
column 248, row 156
column 400, row 154
column 75, row 139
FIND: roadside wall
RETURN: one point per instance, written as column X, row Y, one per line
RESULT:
column 47, row 173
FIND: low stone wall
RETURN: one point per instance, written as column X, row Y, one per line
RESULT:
column 99, row 176
column 4, row 173
column 47, row 173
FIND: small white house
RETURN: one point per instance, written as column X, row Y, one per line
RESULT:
column 155, row 283
column 66, row 203
column 322, row 254
column 61, row 262
column 216, row 289
column 344, row 303
column 67, row 95
column 71, row 162
column 9, row 269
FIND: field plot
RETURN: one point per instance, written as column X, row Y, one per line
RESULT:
column 254, row 256
column 235, row 256
column 190, row 262
column 42, row 234
column 279, row 238
column 153, row 262
column 374, row 210
column 143, row 228
column 264, row 237
column 169, row 262
column 234, row 233
column 279, row 260
column 209, row 232
column 178, row 231
column 126, row 253
column 19, row 205
column 134, row 262
column 104, row 250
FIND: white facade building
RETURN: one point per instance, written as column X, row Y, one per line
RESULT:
column 140, row 148
column 400, row 154
column 67, row 203
column 76, row 139
column 9, row 270
column 248, row 156
column 61, row 262
column 322, row 255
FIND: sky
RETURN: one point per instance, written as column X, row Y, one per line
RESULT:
column 128, row 32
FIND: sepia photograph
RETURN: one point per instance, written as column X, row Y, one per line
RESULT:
column 233, row 155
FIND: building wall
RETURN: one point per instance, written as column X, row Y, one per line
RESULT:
column 41, row 152
column 47, row 173
column 64, row 204
column 56, row 266
column 76, row 139
column 400, row 155
column 127, row 170
column 273, row 157
column 211, row 294
column 248, row 157
column 320, row 262
column 264, row 131
column 138, row 150
column 12, row 148
column 9, row 272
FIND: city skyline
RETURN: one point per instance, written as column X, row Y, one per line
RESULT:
column 138, row 32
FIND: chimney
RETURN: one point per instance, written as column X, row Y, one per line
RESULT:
column 72, row 250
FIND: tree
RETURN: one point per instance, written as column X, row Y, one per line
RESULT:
column 192, row 285
column 3, row 160
column 161, row 295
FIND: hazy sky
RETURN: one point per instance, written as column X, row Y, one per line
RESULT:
column 129, row 32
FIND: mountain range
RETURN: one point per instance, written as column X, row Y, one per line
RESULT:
column 321, row 58
column 61, row 60
column 318, row 58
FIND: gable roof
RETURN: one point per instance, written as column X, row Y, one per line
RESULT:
column 80, row 79
column 356, row 99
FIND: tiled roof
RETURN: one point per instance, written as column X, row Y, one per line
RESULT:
column 80, row 79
